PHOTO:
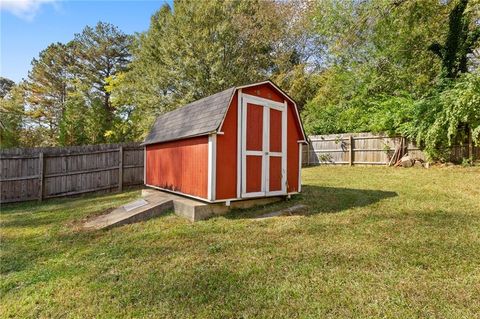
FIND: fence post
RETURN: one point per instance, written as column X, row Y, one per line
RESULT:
column 40, row 176
column 145, row 165
column 120, row 169
column 308, row 154
column 470, row 145
column 350, row 161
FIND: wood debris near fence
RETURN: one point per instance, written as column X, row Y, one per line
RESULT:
column 39, row 173
column 369, row 149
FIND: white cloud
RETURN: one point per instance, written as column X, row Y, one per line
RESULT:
column 25, row 9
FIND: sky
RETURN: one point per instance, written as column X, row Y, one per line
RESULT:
column 29, row 26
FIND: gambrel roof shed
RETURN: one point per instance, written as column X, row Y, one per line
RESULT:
column 239, row 143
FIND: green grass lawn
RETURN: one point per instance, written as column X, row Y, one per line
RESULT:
column 376, row 242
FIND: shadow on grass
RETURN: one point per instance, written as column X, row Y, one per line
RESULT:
column 320, row 200
column 334, row 199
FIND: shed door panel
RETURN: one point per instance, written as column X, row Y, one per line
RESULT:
column 275, row 173
column 275, row 130
column 275, row 154
column 254, row 165
column 254, row 173
column 254, row 127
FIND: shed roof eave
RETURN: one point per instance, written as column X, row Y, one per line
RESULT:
column 179, row 138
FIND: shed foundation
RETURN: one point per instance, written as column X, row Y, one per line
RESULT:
column 155, row 203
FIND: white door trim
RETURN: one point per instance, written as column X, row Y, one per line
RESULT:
column 266, row 148
column 275, row 154
column 212, row 165
column 262, row 101
column 239, row 144
column 243, row 132
column 284, row 147
column 300, row 152
column 145, row 165
column 255, row 153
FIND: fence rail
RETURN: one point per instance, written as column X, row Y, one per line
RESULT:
column 366, row 149
column 39, row 173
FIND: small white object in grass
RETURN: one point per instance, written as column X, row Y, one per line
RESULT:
column 286, row 211
column 138, row 203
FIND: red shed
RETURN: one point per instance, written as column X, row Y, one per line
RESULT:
column 240, row 143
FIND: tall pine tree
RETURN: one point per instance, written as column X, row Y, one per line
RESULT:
column 47, row 88
column 100, row 53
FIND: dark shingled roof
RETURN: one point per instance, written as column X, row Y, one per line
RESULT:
column 196, row 118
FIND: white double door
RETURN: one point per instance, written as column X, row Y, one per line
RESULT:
column 263, row 146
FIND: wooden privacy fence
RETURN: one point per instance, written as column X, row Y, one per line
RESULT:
column 366, row 149
column 38, row 173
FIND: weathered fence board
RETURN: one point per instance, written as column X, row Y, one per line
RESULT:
column 366, row 149
column 38, row 173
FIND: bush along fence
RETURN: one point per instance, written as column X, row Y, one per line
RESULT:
column 368, row 149
column 39, row 173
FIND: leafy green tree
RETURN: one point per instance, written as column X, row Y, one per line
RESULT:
column 74, row 124
column 47, row 89
column 462, row 38
column 11, row 117
column 101, row 52
column 447, row 117
column 126, row 126
column 296, row 57
column 380, row 75
column 200, row 48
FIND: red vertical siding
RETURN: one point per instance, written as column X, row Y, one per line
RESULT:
column 266, row 91
column 180, row 166
column 293, row 136
column 226, row 172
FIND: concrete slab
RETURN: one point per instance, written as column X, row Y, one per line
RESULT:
column 155, row 202
column 143, row 209
column 195, row 210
